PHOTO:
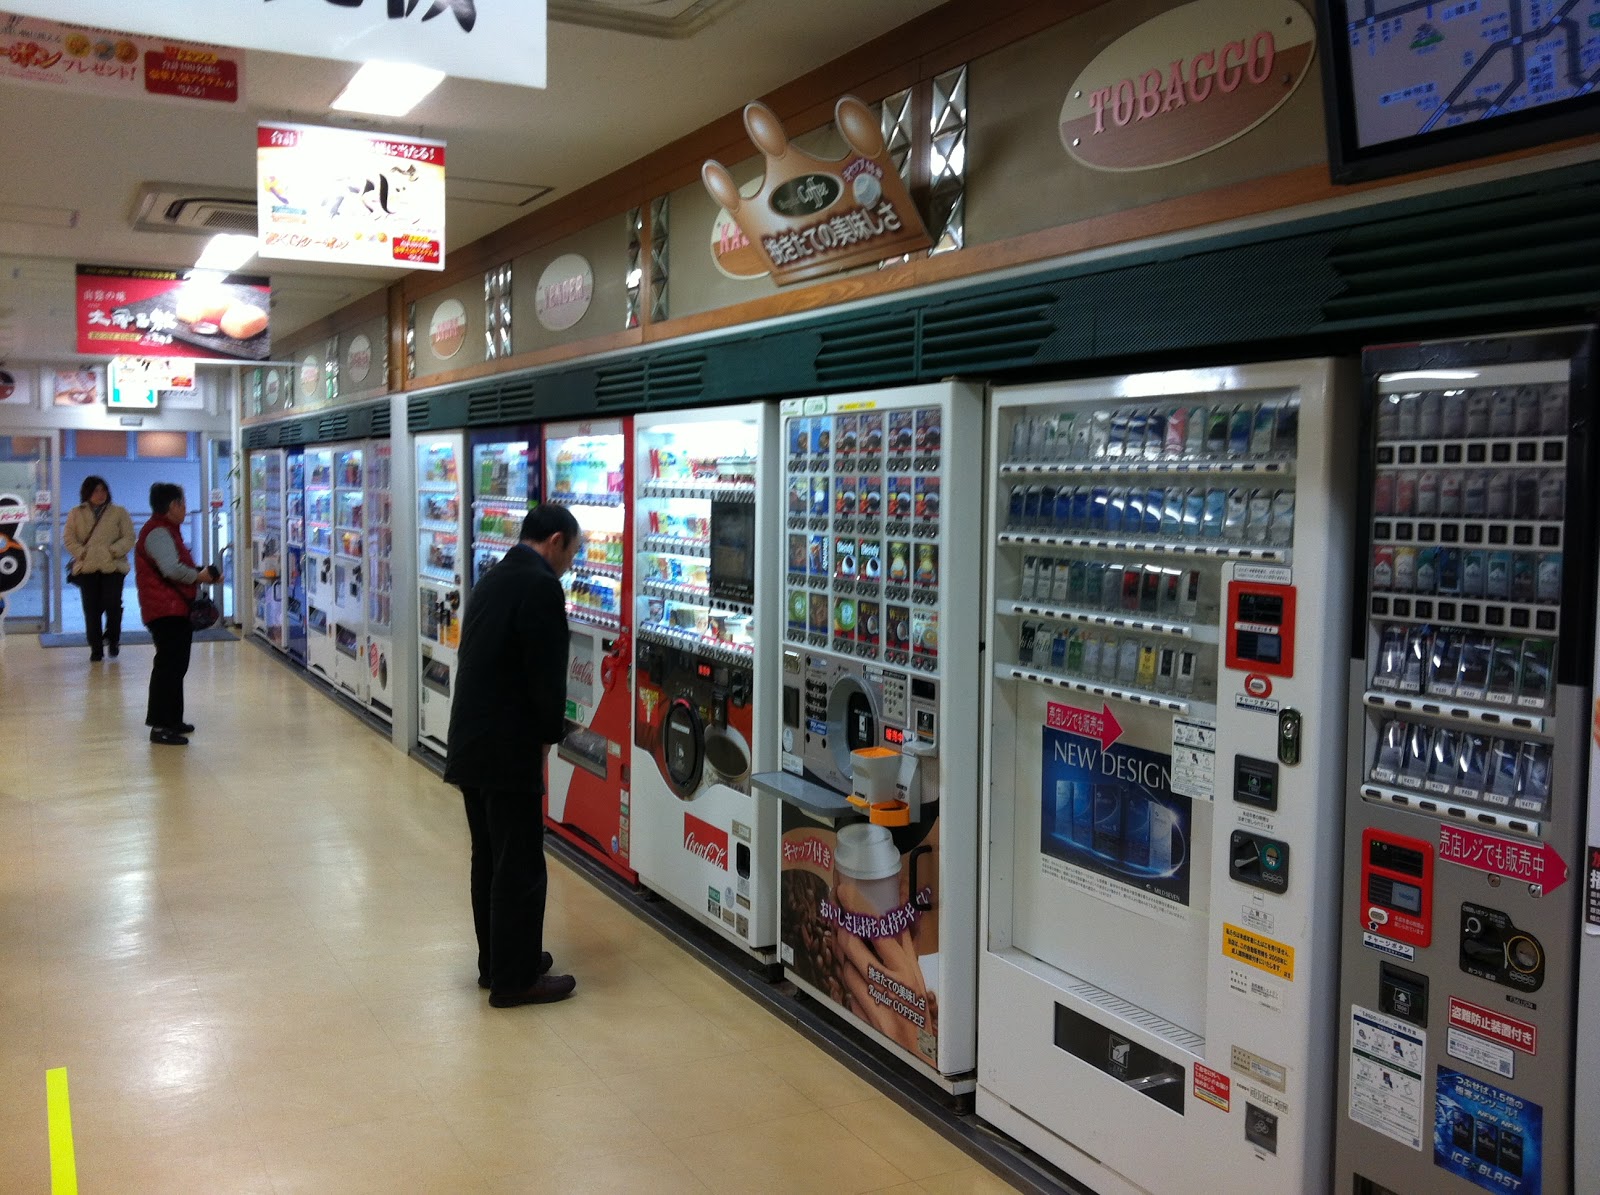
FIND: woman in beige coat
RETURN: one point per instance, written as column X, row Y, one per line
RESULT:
column 99, row 537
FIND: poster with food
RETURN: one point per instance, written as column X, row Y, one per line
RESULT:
column 136, row 312
column 860, row 925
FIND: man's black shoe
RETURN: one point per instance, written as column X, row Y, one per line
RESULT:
column 547, row 989
column 545, row 963
column 168, row 738
column 180, row 728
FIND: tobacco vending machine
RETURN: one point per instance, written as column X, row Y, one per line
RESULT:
column 1464, row 885
column 267, row 544
column 707, row 612
column 505, row 486
column 1167, row 615
column 294, row 565
column 877, row 787
column 320, row 589
column 349, row 570
column 588, row 467
column 441, row 580
column 380, row 577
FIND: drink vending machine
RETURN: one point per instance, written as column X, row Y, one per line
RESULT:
column 349, row 542
column 267, row 544
column 878, row 779
column 441, row 580
column 707, row 612
column 1464, row 835
column 294, row 538
column 1167, row 611
column 320, row 591
column 505, row 486
column 588, row 468
column 380, row 577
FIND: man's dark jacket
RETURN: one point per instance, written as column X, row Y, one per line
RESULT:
column 511, row 676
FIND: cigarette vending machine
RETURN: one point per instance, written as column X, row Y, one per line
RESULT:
column 706, row 612
column 349, row 570
column 294, row 538
column 380, row 577
column 267, row 544
column 1464, row 892
column 878, row 716
column 320, row 591
column 1167, row 610
column 1586, row 1058
column 441, row 581
column 588, row 467
column 505, row 486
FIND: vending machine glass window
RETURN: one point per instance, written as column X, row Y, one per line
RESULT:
column 506, row 486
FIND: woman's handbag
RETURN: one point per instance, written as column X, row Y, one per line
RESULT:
column 203, row 613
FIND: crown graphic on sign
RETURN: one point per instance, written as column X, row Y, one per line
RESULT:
column 815, row 216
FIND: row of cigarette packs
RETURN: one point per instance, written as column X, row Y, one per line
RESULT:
column 1159, row 433
column 1466, row 666
column 1094, row 655
column 1529, row 494
column 1464, row 765
column 1533, row 577
column 1497, row 413
column 1148, row 589
column 1237, row 515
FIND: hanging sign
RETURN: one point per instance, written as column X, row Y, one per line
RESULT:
column 173, row 313
column 816, row 216
column 152, row 373
column 350, row 197
column 1187, row 82
column 500, row 41
column 116, row 65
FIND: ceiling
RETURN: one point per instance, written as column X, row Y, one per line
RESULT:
column 74, row 163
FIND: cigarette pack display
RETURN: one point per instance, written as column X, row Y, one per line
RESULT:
column 1391, row 659
column 1391, row 752
column 1418, row 754
column 1505, row 664
column 1476, row 655
column 1538, row 661
column 1472, row 766
column 1442, row 765
column 1533, row 780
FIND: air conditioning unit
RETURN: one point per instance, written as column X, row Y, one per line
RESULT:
column 193, row 208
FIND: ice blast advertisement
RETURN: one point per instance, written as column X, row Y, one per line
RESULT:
column 1110, row 816
column 865, row 937
column 130, row 312
column 1488, row 1136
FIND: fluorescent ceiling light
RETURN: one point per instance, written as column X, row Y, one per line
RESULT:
column 226, row 251
column 387, row 88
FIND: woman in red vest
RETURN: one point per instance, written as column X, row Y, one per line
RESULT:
column 167, row 579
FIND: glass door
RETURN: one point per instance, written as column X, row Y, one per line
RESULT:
column 29, row 588
column 219, row 517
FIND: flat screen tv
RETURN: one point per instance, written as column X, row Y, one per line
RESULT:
column 1410, row 85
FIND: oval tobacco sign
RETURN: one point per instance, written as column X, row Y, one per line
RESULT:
column 806, row 195
column 1187, row 82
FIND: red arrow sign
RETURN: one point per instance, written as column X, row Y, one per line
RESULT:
column 1102, row 726
column 1531, row 862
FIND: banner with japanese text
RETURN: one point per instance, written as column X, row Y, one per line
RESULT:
column 132, row 312
column 350, row 197
column 500, row 41
column 118, row 65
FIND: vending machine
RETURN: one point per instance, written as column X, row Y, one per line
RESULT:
column 707, row 614
column 1465, row 877
column 1586, row 1058
column 505, row 485
column 877, row 788
column 441, row 581
column 320, row 590
column 349, row 570
column 1167, row 614
column 267, row 544
column 588, row 467
column 294, row 538
column 380, row 577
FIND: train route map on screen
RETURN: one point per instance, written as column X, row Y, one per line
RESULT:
column 1420, row 67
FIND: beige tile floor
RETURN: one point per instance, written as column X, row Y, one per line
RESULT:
column 254, row 958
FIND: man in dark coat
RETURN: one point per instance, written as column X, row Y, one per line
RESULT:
column 509, row 707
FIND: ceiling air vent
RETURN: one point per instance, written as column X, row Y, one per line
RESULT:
column 193, row 208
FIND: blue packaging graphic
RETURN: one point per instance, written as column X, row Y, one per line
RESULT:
column 1111, row 811
column 1487, row 1136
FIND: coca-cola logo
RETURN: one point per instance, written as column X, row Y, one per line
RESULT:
column 582, row 671
column 706, row 841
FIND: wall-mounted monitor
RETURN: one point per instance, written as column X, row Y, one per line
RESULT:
column 1411, row 86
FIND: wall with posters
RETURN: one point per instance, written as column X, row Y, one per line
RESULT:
column 544, row 300
column 61, row 395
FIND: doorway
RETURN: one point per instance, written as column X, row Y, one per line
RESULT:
column 27, row 466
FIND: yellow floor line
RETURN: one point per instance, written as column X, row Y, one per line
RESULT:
column 63, row 1165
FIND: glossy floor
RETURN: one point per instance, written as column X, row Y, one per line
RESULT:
column 253, row 956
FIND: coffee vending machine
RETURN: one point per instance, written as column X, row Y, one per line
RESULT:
column 1470, row 721
column 1167, row 605
column 877, row 785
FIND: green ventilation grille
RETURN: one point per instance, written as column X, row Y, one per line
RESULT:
column 382, row 419
column 868, row 350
